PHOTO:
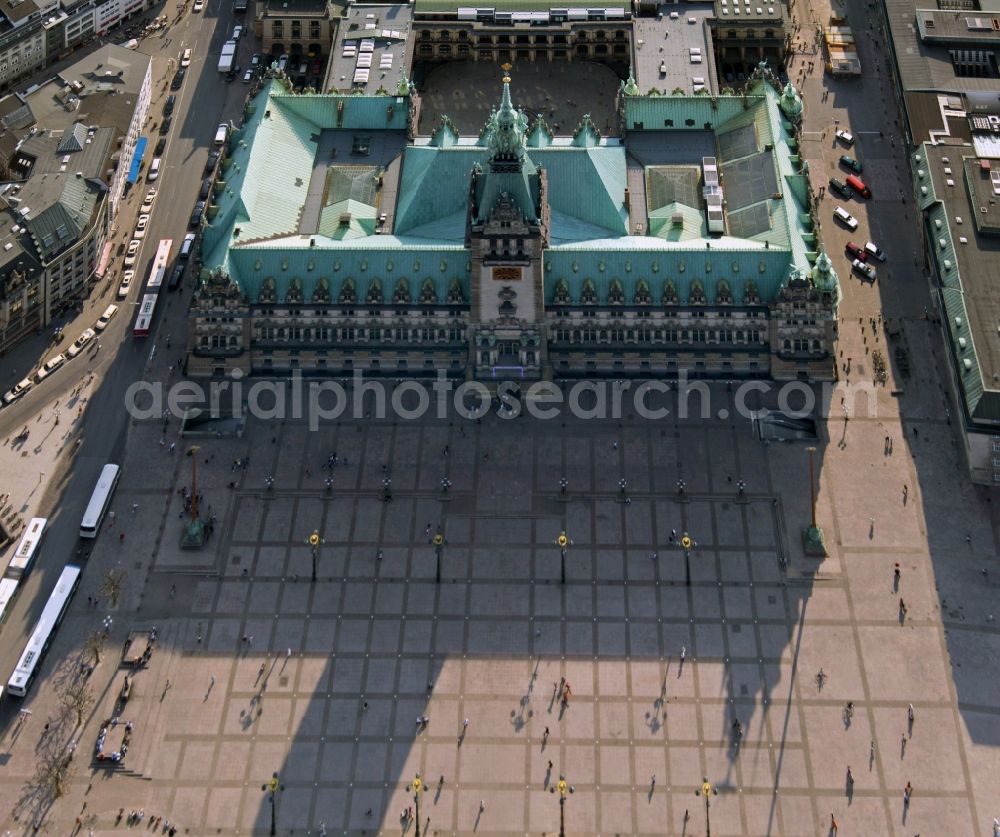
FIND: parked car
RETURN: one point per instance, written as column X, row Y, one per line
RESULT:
column 126, row 283
column 161, row 146
column 213, row 160
column 147, row 203
column 176, row 275
column 199, row 5
column 51, row 365
column 858, row 185
column 856, row 251
column 841, row 188
column 237, row 32
column 17, row 391
column 248, row 76
column 255, row 61
column 187, row 245
column 105, row 318
column 865, row 271
column 851, row 163
column 845, row 218
column 165, row 125
column 873, row 250
column 282, row 63
column 846, row 137
column 206, row 188
column 186, row 58
column 315, row 68
column 178, row 79
column 81, row 342
column 168, row 106
column 133, row 252
column 196, row 213
column 140, row 226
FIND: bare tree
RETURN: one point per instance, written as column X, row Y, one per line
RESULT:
column 94, row 645
column 111, row 585
column 78, row 699
column 53, row 772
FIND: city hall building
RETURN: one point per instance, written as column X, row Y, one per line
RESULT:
column 337, row 241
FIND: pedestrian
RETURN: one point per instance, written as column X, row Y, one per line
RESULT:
column 909, row 713
column 834, row 827
column 546, row 734
column 896, row 573
column 907, row 791
column 482, row 805
column 902, row 607
column 550, row 765
column 213, row 679
column 288, row 653
column 121, row 537
column 135, row 507
column 465, row 725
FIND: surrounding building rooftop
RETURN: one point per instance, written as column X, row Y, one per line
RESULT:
column 941, row 54
column 959, row 193
column 675, row 52
column 370, row 50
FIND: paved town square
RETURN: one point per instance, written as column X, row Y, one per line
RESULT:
column 258, row 669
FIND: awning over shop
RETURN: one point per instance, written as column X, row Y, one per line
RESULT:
column 140, row 149
column 102, row 265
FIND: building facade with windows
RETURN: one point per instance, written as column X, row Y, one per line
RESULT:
column 65, row 180
column 517, row 252
column 296, row 27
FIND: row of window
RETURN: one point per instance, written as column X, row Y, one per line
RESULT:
column 278, row 29
column 589, row 334
column 361, row 334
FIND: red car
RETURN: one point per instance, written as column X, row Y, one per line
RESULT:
column 856, row 251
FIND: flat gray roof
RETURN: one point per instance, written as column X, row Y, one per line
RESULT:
column 667, row 44
column 375, row 35
column 977, row 256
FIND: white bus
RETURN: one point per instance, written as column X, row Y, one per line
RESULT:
column 45, row 630
column 27, row 549
column 144, row 319
column 159, row 268
column 8, row 588
column 99, row 501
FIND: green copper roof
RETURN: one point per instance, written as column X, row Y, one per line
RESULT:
column 664, row 113
column 633, row 258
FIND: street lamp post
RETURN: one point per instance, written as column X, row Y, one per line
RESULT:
column 622, row 485
column 386, row 490
column 563, row 485
column 563, row 542
column 563, row 787
column 445, row 485
column 417, row 786
column 707, row 791
column 272, row 786
column 687, row 544
column 681, row 485
column 314, row 543
column 439, row 543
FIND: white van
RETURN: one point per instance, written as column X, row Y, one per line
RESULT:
column 109, row 312
column 187, row 245
column 222, row 134
column 154, row 169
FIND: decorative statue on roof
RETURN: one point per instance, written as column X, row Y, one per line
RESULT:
column 791, row 103
column 629, row 87
column 403, row 86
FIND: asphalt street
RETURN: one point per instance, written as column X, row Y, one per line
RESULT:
column 205, row 100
